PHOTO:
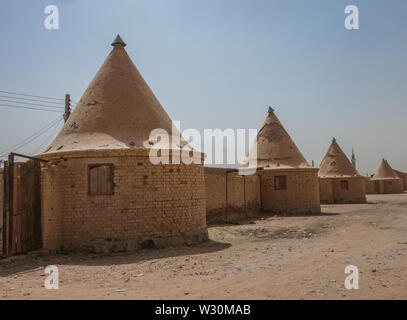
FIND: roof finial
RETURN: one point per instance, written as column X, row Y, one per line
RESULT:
column 333, row 139
column 118, row 42
column 270, row 111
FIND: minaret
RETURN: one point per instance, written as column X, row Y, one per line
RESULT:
column 353, row 159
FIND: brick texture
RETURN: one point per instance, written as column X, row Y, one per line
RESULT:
column 152, row 205
column 388, row 186
column 331, row 191
column 369, row 186
column 300, row 197
column 240, row 197
column 230, row 196
column 403, row 176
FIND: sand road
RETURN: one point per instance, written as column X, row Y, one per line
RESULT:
column 272, row 257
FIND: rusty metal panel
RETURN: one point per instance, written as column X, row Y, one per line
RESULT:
column 16, row 245
column 27, row 204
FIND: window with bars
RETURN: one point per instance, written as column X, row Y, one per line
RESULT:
column 100, row 179
column 280, row 182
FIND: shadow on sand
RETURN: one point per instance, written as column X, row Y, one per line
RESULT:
column 37, row 261
column 268, row 215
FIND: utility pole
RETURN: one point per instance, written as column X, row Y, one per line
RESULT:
column 67, row 107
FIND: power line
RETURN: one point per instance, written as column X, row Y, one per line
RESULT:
column 31, row 104
column 27, row 99
column 42, row 145
column 30, row 95
column 30, row 138
column 21, row 107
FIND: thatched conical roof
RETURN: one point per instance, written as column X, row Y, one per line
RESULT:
column 385, row 171
column 336, row 163
column 275, row 148
column 117, row 111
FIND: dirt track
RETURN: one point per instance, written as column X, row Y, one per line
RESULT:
column 269, row 258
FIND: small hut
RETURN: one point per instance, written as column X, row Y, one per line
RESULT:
column 386, row 180
column 100, row 189
column 288, row 184
column 339, row 181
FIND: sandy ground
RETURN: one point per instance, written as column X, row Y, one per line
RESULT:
column 268, row 258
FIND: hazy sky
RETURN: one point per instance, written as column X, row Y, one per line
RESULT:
column 220, row 63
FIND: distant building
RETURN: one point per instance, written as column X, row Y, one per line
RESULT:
column 288, row 184
column 339, row 181
column 386, row 180
column 402, row 175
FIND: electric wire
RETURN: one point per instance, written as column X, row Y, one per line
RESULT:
column 47, row 139
column 30, row 95
column 32, row 104
column 29, row 139
column 32, row 100
column 30, row 108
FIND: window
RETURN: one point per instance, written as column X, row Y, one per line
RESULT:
column 100, row 179
column 280, row 182
column 344, row 184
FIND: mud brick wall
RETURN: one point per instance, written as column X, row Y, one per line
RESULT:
column 243, row 196
column 215, row 193
column 230, row 196
column 152, row 205
column 325, row 191
column 356, row 192
column 403, row 176
column 369, row 186
column 388, row 186
column 252, row 196
column 300, row 197
column 393, row 186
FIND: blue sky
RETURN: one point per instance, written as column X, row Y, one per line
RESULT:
column 220, row 63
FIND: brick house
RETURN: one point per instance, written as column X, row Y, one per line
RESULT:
column 339, row 181
column 386, row 180
column 100, row 191
column 288, row 184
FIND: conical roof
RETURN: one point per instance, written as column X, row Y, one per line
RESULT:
column 336, row 163
column 117, row 111
column 275, row 148
column 385, row 171
column 400, row 173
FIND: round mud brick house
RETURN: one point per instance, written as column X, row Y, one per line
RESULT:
column 100, row 190
column 288, row 184
column 339, row 181
column 386, row 180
